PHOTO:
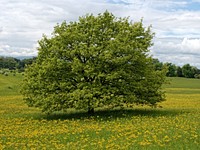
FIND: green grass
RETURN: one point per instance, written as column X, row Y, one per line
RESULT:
column 182, row 86
column 174, row 126
column 10, row 85
column 187, row 83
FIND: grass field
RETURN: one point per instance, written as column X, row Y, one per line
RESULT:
column 174, row 126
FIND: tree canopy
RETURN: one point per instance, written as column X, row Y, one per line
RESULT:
column 94, row 62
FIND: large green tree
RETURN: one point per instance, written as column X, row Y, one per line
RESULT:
column 95, row 62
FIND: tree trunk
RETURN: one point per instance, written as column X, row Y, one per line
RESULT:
column 90, row 111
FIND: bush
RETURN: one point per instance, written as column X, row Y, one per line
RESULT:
column 197, row 76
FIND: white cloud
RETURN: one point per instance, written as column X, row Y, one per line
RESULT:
column 4, row 47
column 191, row 44
column 183, row 46
column 7, row 50
column 178, row 51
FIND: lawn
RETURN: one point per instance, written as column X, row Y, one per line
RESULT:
column 174, row 125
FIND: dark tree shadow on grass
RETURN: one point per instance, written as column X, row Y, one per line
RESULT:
column 109, row 114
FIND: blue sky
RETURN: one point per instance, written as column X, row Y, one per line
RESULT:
column 175, row 22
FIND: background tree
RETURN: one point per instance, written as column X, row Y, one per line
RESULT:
column 195, row 70
column 8, row 63
column 12, row 63
column 189, row 71
column 197, row 76
column 25, row 62
column 158, row 65
column 171, row 70
column 179, row 71
column 95, row 62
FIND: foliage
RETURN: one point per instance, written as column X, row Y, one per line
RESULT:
column 171, row 70
column 157, row 64
column 12, row 63
column 8, row 62
column 179, row 71
column 186, row 70
column 94, row 62
column 189, row 71
column 197, row 76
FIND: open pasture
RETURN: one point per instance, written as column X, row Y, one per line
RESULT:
column 174, row 125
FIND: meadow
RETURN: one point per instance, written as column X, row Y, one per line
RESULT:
column 174, row 125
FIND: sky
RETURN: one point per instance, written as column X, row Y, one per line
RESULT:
column 176, row 24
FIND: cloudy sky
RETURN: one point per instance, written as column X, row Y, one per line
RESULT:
column 175, row 22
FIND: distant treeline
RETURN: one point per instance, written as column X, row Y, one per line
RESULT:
column 186, row 70
column 14, row 63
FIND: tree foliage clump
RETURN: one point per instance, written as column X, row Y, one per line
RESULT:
column 95, row 62
column 12, row 63
column 186, row 70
